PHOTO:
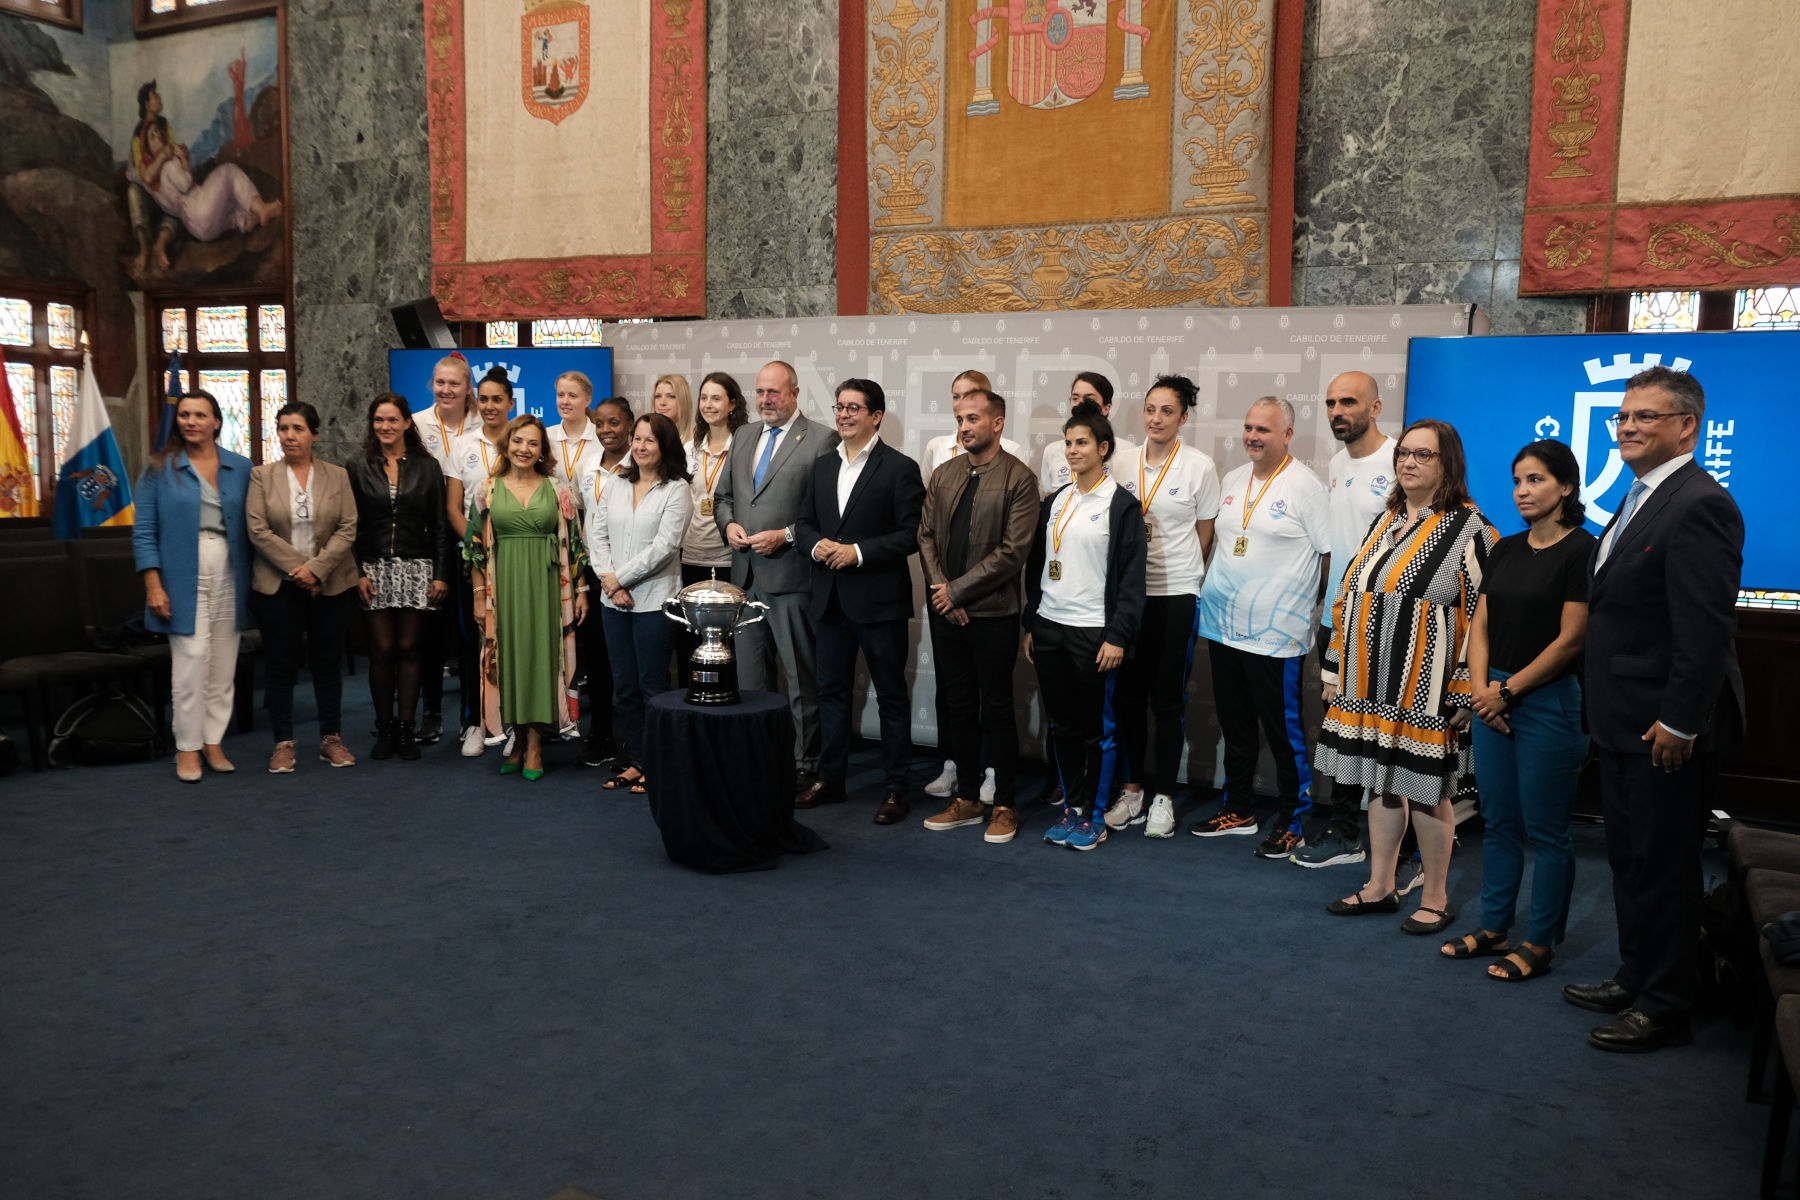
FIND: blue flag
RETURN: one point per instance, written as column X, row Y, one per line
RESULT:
column 92, row 488
column 172, row 394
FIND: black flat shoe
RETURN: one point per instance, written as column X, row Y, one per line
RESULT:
column 1604, row 997
column 1356, row 906
column 1480, row 944
column 1537, row 962
column 1631, row 1032
column 1413, row 925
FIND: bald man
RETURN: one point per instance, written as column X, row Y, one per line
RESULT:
column 1359, row 479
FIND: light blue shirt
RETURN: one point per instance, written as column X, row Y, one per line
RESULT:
column 640, row 545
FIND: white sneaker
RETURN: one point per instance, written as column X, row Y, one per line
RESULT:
column 987, row 787
column 1162, row 818
column 473, row 743
column 945, row 784
column 1411, row 877
column 1128, row 809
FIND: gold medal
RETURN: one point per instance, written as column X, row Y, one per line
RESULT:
column 1240, row 547
column 1055, row 569
column 1149, row 531
column 706, row 506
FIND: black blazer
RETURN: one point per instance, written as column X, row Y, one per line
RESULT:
column 881, row 519
column 413, row 523
column 1662, row 615
column 1126, row 551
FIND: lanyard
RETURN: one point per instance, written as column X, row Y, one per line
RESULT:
column 1250, row 505
column 712, row 472
column 569, row 463
column 1062, row 518
column 1168, row 462
column 444, row 438
column 486, row 466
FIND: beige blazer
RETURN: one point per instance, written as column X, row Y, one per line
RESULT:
column 271, row 522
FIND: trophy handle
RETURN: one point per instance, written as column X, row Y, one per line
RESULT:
column 672, row 610
column 748, row 621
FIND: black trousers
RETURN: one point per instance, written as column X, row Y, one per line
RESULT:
column 287, row 619
column 591, row 660
column 975, row 701
column 1255, row 692
column 1655, row 825
column 1153, row 682
column 883, row 646
column 450, row 633
column 1079, row 699
column 1344, row 810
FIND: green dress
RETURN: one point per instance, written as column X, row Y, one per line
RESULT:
column 523, row 570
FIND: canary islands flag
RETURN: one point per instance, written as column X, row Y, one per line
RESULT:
column 18, row 490
column 92, row 488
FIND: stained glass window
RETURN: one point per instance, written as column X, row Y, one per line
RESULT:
column 15, row 322
column 503, row 335
column 274, row 395
column 62, row 326
column 1664, row 312
column 566, row 331
column 232, row 390
column 271, row 326
column 62, row 406
column 1768, row 308
column 23, row 381
column 1787, row 601
column 162, row 6
column 221, row 329
column 175, row 330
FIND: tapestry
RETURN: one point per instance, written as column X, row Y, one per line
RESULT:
column 1070, row 154
column 568, row 157
column 1663, row 153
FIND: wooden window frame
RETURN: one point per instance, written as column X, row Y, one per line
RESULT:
column 194, row 360
column 192, row 16
column 67, row 14
column 41, row 357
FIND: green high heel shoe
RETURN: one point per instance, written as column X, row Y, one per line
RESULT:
column 511, row 768
column 532, row 776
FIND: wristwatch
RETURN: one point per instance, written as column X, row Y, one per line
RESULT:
column 788, row 534
column 1506, row 695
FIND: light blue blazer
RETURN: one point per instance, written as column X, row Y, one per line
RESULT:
column 167, row 534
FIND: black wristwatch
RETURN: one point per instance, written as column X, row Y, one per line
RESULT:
column 1506, row 695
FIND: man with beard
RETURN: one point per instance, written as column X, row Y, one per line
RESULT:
column 1360, row 477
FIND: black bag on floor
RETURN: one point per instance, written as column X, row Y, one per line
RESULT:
column 103, row 729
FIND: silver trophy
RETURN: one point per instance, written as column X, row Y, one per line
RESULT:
column 712, row 609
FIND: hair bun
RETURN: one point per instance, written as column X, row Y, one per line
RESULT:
column 1086, row 408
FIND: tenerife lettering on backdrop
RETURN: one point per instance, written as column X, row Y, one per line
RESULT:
column 1234, row 357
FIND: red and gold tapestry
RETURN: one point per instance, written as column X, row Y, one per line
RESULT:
column 1066, row 154
column 1663, row 152
column 568, row 157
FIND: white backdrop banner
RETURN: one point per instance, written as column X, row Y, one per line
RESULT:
column 1234, row 358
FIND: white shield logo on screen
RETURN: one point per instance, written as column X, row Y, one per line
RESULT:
column 1596, row 447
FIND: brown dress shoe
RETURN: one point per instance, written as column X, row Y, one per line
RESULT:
column 820, row 791
column 893, row 809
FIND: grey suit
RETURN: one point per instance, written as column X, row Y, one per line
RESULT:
column 782, row 580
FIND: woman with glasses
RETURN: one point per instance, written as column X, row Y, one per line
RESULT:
column 1524, row 653
column 1397, row 674
column 404, row 554
column 525, row 563
column 1084, row 601
column 193, row 552
column 302, row 518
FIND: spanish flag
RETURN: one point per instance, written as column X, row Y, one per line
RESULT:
column 18, row 490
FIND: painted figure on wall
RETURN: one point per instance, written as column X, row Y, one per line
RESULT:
column 226, row 201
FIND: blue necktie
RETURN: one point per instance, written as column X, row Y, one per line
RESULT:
column 762, row 464
column 1625, row 513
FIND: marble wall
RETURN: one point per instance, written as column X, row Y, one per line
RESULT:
column 1410, row 179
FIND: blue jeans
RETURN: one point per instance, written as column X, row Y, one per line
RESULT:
column 637, row 647
column 1527, row 786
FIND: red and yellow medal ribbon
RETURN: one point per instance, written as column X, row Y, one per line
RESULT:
column 1249, row 504
column 1067, row 514
column 1144, row 496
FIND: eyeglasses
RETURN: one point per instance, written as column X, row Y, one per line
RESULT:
column 303, row 506
column 1423, row 457
column 1642, row 416
column 848, row 410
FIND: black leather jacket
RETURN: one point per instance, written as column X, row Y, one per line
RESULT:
column 413, row 523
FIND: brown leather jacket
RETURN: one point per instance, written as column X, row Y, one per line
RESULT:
column 1001, row 524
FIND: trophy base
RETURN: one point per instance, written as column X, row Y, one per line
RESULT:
column 713, row 683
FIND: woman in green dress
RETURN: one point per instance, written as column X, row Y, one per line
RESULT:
column 529, row 596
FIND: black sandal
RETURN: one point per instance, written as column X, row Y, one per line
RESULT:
column 1480, row 944
column 1537, row 962
column 1412, row 924
column 1356, row 906
column 640, row 785
column 622, row 782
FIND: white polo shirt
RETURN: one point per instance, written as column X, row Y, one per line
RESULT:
column 472, row 459
column 1077, row 595
column 440, row 436
column 1055, row 471
column 1359, row 490
column 1174, row 562
column 1262, row 601
column 940, row 450
column 572, row 460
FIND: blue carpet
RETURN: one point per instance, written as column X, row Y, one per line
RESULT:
column 425, row 980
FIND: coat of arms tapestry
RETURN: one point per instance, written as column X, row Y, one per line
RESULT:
column 1663, row 149
column 568, row 157
column 1067, row 154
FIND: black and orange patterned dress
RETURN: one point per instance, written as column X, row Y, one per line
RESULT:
column 1399, row 655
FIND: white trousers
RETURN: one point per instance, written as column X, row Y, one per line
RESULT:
column 203, row 664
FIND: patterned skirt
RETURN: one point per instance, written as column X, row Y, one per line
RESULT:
column 400, row 582
column 1393, row 751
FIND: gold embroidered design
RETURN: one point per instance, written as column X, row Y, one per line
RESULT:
column 902, row 106
column 1677, row 245
column 1579, row 39
column 1222, row 69
column 1569, row 245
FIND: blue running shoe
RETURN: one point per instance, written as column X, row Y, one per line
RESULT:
column 1059, row 833
column 1086, row 835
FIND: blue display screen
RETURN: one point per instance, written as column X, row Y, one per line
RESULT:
column 1503, row 392
column 533, row 372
